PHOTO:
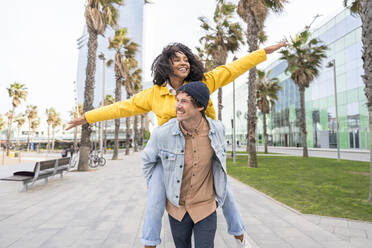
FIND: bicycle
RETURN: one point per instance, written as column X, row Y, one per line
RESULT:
column 96, row 159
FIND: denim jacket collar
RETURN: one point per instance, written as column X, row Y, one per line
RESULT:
column 177, row 131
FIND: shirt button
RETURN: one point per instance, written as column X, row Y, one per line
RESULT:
column 180, row 166
column 181, row 151
column 176, row 196
column 178, row 181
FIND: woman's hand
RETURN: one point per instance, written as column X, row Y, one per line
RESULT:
column 273, row 48
column 77, row 122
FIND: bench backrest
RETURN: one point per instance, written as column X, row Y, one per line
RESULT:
column 50, row 164
column 45, row 165
column 63, row 161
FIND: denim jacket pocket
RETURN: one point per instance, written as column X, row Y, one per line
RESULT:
column 168, row 159
column 221, row 152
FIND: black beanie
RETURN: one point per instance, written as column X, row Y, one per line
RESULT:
column 198, row 90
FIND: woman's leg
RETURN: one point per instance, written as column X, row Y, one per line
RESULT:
column 155, row 208
column 231, row 212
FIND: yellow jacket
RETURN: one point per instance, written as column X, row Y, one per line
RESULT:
column 159, row 100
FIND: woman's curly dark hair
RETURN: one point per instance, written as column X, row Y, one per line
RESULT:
column 161, row 67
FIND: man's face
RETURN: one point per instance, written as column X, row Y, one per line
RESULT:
column 186, row 111
column 180, row 65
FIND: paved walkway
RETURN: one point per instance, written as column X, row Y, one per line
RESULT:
column 345, row 154
column 105, row 207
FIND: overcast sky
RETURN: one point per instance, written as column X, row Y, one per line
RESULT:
column 38, row 40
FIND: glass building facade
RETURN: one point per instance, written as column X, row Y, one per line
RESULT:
column 342, row 35
column 130, row 17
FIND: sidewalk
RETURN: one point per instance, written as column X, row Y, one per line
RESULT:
column 345, row 154
column 105, row 207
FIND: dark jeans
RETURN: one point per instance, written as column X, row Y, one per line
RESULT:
column 204, row 231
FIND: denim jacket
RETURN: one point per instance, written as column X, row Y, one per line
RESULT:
column 166, row 146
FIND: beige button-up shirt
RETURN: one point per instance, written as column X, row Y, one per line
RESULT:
column 197, row 195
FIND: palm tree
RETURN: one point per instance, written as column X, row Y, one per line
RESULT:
column 56, row 123
column 221, row 37
column 51, row 115
column 254, row 13
column 31, row 112
column 364, row 9
column 17, row 92
column 125, row 50
column 304, row 56
column 266, row 93
column 20, row 119
column 109, row 99
column 98, row 14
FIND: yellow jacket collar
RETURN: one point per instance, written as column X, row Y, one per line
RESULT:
column 164, row 90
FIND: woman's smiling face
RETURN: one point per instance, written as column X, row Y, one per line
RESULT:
column 180, row 65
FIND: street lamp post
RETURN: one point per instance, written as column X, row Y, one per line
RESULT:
column 234, row 127
column 102, row 57
column 332, row 63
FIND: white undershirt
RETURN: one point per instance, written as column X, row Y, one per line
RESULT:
column 170, row 88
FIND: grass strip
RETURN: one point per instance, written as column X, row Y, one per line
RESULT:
column 318, row 186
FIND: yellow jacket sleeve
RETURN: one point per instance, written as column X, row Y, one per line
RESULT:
column 225, row 74
column 139, row 104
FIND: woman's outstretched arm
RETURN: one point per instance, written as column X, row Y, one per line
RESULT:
column 225, row 74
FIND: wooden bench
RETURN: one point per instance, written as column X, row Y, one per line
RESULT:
column 42, row 170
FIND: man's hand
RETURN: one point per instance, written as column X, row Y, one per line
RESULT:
column 273, row 48
column 77, row 122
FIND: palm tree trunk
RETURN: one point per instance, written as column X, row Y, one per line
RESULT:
column 115, row 155
column 10, row 121
column 117, row 121
column 252, row 40
column 127, row 135
column 252, row 119
column 265, row 132
column 365, row 15
column 53, row 139
column 303, row 123
column 18, row 133
column 220, row 106
column 88, row 99
column 127, row 132
column 135, row 129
